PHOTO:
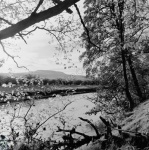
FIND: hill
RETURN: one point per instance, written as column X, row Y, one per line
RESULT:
column 49, row 74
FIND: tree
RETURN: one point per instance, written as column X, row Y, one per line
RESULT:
column 114, row 28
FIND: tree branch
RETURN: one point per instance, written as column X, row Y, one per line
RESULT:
column 35, row 18
column 39, row 4
column 86, row 29
column 12, row 57
column 75, row 144
column 75, row 132
column 53, row 115
column 8, row 22
column 92, row 125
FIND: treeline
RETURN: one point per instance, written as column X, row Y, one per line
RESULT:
column 69, row 82
column 6, row 80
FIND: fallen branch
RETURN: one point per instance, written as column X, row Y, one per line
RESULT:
column 74, row 132
column 105, row 140
column 73, row 142
column 92, row 125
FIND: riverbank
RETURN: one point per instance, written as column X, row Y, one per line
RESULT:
column 43, row 93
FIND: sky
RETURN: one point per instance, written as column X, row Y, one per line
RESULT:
column 39, row 54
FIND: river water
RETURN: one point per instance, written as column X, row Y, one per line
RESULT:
column 33, row 113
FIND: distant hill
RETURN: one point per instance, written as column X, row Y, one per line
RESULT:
column 49, row 74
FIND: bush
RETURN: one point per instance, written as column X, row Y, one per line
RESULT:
column 78, row 82
column 45, row 81
column 30, row 76
column 7, row 80
column 1, row 80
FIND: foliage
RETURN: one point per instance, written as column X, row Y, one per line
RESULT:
column 69, row 82
column 33, row 80
column 7, row 80
column 114, row 38
column 103, row 31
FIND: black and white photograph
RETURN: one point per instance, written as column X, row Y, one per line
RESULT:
column 74, row 74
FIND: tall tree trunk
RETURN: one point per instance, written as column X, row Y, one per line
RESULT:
column 134, row 77
column 121, row 29
column 128, row 95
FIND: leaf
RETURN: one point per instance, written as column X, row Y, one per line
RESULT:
column 44, row 128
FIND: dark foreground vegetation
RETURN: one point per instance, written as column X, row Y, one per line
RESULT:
column 106, row 141
column 105, row 138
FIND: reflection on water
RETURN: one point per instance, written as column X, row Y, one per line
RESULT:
column 36, row 112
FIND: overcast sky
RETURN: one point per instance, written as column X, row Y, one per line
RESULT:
column 38, row 54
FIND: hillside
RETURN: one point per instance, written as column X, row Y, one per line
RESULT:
column 137, row 120
column 49, row 74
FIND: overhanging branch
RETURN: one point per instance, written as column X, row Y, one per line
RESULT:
column 35, row 18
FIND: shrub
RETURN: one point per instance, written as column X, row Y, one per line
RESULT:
column 78, row 82
column 45, row 81
column 30, row 76
column 7, row 80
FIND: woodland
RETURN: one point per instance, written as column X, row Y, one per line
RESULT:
column 114, row 34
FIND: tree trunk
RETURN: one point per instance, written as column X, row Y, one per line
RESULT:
column 128, row 95
column 134, row 77
column 121, row 29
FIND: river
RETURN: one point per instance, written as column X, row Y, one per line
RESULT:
column 37, row 112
